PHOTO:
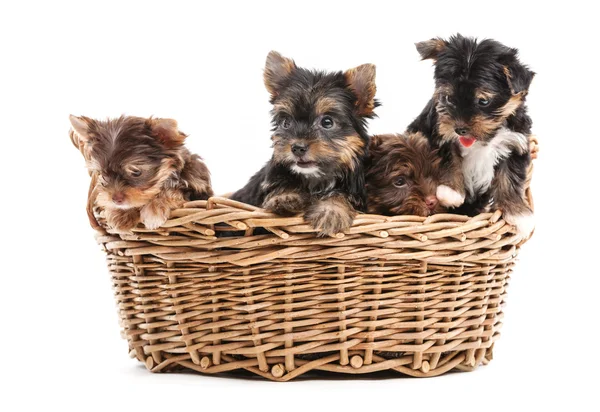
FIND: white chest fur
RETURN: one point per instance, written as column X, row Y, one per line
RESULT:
column 480, row 159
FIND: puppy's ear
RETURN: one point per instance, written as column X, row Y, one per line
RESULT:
column 81, row 128
column 361, row 80
column 375, row 141
column 430, row 49
column 166, row 131
column 518, row 75
column 277, row 70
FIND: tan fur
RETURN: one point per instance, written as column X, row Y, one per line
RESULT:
column 342, row 151
column 277, row 68
column 325, row 105
column 429, row 49
column 509, row 199
column 156, row 212
column 122, row 220
column 283, row 106
column 361, row 80
column 350, row 150
column 511, row 106
column 330, row 216
column 484, row 94
column 285, row 204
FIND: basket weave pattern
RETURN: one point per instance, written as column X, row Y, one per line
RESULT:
column 420, row 296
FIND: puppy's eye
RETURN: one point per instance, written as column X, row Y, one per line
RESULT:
column 135, row 172
column 483, row 102
column 286, row 123
column 327, row 122
column 400, row 182
column 448, row 99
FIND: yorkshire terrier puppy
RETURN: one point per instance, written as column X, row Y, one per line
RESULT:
column 140, row 169
column 478, row 120
column 319, row 144
column 402, row 176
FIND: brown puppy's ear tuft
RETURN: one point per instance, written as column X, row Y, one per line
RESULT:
column 81, row 127
column 430, row 49
column 167, row 132
column 277, row 70
column 361, row 80
column 375, row 141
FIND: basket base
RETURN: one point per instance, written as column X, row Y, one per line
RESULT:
column 430, row 365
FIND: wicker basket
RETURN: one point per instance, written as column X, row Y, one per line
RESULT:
column 420, row 296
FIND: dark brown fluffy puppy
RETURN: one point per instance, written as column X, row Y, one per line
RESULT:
column 319, row 144
column 402, row 176
column 140, row 169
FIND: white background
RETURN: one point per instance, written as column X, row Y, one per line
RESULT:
column 202, row 65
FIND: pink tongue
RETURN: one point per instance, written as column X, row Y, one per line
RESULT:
column 466, row 141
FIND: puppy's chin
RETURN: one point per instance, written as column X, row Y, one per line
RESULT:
column 308, row 171
column 416, row 208
column 125, row 206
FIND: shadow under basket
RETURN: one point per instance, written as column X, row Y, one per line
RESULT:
column 420, row 296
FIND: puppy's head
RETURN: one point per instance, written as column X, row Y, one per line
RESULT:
column 130, row 157
column 479, row 84
column 319, row 118
column 402, row 176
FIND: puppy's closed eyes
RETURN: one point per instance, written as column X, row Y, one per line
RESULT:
column 140, row 169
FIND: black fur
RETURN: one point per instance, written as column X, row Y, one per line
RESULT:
column 295, row 95
column 465, row 66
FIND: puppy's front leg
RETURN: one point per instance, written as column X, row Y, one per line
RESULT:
column 508, row 194
column 157, row 211
column 451, row 191
column 122, row 220
column 331, row 215
column 286, row 203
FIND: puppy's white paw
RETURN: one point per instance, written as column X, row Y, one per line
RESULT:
column 449, row 197
column 153, row 217
column 525, row 223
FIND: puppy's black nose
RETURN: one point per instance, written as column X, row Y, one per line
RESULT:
column 461, row 131
column 299, row 149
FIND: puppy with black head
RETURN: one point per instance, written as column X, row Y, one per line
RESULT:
column 478, row 120
column 319, row 144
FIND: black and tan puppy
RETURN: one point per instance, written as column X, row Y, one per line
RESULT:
column 402, row 174
column 478, row 120
column 319, row 144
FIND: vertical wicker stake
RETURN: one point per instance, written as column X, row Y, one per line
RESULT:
column 143, row 292
column 289, row 343
column 255, row 330
column 418, row 356
column 181, row 322
column 216, row 354
column 343, row 351
column 373, row 318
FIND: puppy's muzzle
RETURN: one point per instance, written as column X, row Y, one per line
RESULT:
column 299, row 150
